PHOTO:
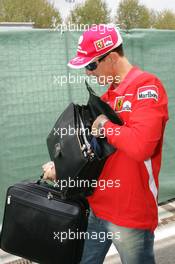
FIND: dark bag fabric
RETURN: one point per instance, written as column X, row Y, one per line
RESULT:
column 96, row 106
column 34, row 217
column 79, row 156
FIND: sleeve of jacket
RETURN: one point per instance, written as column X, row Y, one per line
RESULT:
column 139, row 138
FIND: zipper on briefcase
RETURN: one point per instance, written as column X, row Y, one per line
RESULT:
column 52, row 194
column 36, row 206
column 82, row 139
column 9, row 199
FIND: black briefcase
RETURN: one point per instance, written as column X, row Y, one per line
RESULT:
column 78, row 156
column 38, row 225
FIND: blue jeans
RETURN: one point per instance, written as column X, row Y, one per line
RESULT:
column 135, row 246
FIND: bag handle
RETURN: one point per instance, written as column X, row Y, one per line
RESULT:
column 89, row 88
column 40, row 178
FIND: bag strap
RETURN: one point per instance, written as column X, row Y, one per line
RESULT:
column 89, row 88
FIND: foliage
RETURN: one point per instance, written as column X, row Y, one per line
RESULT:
column 39, row 11
column 91, row 12
column 131, row 14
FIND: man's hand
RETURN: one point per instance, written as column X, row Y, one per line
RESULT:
column 97, row 127
column 49, row 171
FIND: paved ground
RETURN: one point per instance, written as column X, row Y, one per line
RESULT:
column 164, row 251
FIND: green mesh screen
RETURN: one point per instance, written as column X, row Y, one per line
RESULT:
column 32, row 95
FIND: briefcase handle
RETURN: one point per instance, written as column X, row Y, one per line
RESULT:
column 63, row 193
column 64, row 196
column 41, row 179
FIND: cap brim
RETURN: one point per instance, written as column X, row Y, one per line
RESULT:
column 79, row 62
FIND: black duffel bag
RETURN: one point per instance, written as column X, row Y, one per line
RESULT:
column 40, row 226
column 78, row 156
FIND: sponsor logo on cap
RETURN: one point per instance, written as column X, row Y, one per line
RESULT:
column 78, row 59
column 148, row 92
column 103, row 43
column 99, row 45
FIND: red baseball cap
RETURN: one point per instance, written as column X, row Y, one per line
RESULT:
column 95, row 42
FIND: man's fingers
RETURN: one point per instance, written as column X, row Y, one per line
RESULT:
column 46, row 175
column 48, row 165
column 49, row 174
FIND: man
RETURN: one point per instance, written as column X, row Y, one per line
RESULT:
column 128, row 214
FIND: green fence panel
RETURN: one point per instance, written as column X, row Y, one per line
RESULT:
column 36, row 85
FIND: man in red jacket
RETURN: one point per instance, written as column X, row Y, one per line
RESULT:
column 126, row 213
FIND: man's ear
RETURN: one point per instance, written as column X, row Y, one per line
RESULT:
column 114, row 56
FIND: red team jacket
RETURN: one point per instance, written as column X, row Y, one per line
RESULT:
column 130, row 197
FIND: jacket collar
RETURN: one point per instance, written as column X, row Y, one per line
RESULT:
column 129, row 78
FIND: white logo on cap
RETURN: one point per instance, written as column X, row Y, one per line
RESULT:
column 109, row 43
column 80, row 40
column 79, row 49
column 78, row 59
